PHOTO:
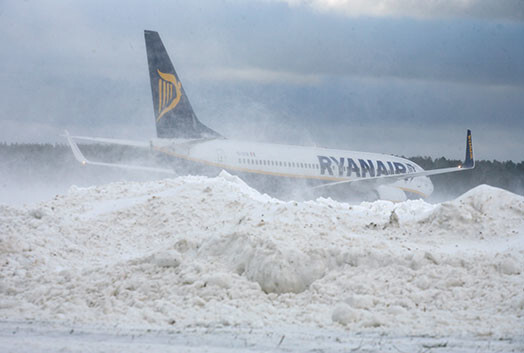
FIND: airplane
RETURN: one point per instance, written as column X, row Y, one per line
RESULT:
column 193, row 146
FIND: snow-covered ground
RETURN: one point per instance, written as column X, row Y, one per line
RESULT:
column 176, row 260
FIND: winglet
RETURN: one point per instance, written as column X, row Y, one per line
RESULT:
column 76, row 151
column 469, row 162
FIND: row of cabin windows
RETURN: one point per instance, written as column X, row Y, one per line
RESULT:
column 278, row 163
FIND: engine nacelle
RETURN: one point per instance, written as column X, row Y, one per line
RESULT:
column 391, row 193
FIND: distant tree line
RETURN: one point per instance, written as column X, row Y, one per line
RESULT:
column 506, row 175
column 37, row 160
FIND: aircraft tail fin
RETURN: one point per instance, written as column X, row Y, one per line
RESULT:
column 174, row 115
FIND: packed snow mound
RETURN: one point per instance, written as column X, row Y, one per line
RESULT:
column 197, row 251
column 478, row 211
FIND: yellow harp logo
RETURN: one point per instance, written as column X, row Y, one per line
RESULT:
column 470, row 147
column 167, row 101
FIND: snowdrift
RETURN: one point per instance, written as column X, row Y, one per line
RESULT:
column 212, row 252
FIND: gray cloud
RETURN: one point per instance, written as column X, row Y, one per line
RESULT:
column 308, row 77
column 423, row 9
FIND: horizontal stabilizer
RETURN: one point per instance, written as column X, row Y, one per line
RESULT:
column 82, row 159
column 132, row 143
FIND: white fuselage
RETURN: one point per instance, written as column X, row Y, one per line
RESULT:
column 317, row 164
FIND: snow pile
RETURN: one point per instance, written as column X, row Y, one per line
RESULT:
column 197, row 251
column 481, row 207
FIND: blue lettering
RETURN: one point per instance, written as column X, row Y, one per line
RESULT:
column 367, row 168
column 353, row 167
column 381, row 169
column 391, row 171
column 400, row 168
column 325, row 164
column 340, row 165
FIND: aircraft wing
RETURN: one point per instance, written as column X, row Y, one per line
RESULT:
column 82, row 159
column 469, row 163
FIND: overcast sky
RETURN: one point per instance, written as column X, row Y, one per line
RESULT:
column 395, row 76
